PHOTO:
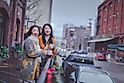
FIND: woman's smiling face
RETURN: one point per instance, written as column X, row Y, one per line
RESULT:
column 47, row 30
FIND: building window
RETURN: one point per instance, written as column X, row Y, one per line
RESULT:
column 105, row 9
column 71, row 33
column 116, row 27
column 109, row 29
column 111, row 6
column 17, row 28
column 117, row 13
column 66, row 31
column 103, row 31
column 122, row 41
column 99, row 18
column 114, row 15
column 117, row 1
column 104, row 19
column 110, row 16
column 79, row 46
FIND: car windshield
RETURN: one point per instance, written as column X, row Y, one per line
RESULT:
column 89, row 77
column 78, row 60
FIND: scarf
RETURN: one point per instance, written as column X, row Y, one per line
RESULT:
column 36, row 42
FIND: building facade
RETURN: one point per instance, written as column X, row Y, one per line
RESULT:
column 110, row 18
column 12, row 15
column 110, row 26
column 76, row 37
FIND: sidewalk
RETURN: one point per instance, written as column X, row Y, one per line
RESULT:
column 8, row 71
column 118, row 63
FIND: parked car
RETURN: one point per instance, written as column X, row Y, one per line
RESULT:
column 88, row 74
column 77, row 58
column 79, row 52
column 100, row 56
column 62, row 53
column 82, row 52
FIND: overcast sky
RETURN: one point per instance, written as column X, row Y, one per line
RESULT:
column 75, row 12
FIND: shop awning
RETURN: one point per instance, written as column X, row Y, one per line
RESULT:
column 120, row 47
column 101, row 40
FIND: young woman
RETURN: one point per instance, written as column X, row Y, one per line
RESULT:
column 31, row 63
column 47, row 41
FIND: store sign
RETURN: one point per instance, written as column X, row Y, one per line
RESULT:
column 8, row 2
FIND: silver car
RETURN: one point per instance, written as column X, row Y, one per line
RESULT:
column 90, row 74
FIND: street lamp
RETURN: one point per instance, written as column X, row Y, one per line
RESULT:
column 29, row 22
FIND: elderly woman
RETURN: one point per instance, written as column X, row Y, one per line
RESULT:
column 31, row 62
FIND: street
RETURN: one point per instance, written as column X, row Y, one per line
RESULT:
column 116, row 71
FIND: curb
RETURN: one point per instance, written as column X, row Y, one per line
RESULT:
column 118, row 63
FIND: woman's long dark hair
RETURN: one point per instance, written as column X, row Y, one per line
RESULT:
column 30, row 30
column 43, row 34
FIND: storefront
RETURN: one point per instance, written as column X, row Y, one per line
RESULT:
column 101, row 44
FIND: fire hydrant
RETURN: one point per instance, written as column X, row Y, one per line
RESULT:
column 49, row 75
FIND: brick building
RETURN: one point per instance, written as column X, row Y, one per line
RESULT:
column 110, row 29
column 76, row 37
column 110, row 18
column 12, row 15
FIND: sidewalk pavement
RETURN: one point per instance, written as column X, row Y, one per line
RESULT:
column 8, row 71
column 118, row 63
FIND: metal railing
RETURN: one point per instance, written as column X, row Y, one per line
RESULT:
column 42, row 77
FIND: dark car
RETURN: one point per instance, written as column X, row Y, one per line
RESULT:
column 77, row 58
column 88, row 74
column 79, row 52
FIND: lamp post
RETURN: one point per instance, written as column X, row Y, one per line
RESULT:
column 33, row 22
column 30, row 22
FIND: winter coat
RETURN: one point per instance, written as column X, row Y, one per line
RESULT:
column 42, row 45
column 31, row 64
